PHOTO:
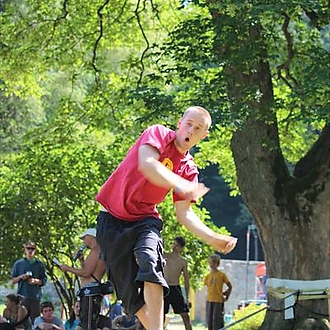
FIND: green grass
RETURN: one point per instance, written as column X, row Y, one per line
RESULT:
column 252, row 323
column 175, row 323
column 197, row 325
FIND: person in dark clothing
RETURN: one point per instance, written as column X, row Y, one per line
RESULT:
column 29, row 274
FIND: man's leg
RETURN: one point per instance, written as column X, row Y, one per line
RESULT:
column 186, row 321
column 151, row 314
column 209, row 315
column 218, row 320
column 179, row 305
column 86, row 304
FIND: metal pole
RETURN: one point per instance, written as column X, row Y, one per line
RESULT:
column 247, row 261
column 255, row 236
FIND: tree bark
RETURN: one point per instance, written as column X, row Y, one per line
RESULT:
column 291, row 210
column 292, row 214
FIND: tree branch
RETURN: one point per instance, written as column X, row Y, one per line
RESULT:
column 96, row 44
column 137, row 15
column 286, row 65
column 318, row 156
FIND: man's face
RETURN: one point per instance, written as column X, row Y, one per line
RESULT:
column 76, row 308
column 47, row 313
column 87, row 239
column 30, row 251
column 176, row 247
column 191, row 129
column 213, row 264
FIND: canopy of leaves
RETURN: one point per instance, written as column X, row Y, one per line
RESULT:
column 99, row 72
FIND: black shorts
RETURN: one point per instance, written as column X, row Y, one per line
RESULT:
column 176, row 300
column 133, row 254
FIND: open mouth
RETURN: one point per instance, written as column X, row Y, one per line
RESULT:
column 186, row 139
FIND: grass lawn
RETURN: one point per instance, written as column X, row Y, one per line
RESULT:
column 175, row 323
column 198, row 325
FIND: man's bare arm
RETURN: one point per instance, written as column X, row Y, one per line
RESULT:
column 186, row 279
column 88, row 267
column 159, row 175
column 228, row 291
column 187, row 217
column 19, row 278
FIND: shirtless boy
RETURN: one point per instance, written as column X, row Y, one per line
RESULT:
column 176, row 266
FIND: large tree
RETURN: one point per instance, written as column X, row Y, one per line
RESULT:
column 261, row 67
column 264, row 68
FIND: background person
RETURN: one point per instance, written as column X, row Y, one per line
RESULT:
column 30, row 275
column 74, row 320
column 91, row 272
column 129, row 224
column 176, row 266
column 15, row 315
column 116, row 309
column 216, row 297
column 105, row 305
column 74, row 323
column 47, row 320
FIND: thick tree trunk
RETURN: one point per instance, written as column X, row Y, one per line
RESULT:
column 292, row 214
column 291, row 211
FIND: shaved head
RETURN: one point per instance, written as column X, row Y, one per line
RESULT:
column 201, row 111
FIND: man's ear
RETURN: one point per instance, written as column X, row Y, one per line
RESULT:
column 205, row 135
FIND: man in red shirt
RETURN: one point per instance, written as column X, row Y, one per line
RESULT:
column 129, row 224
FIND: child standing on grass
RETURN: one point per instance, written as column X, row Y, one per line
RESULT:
column 215, row 295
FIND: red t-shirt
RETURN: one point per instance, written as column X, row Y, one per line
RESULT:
column 127, row 194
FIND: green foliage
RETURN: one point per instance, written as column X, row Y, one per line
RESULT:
column 252, row 323
column 47, row 195
column 81, row 80
column 17, row 117
column 47, row 192
column 216, row 150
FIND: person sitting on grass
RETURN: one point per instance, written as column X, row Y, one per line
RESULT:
column 15, row 315
column 47, row 321
column 74, row 321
